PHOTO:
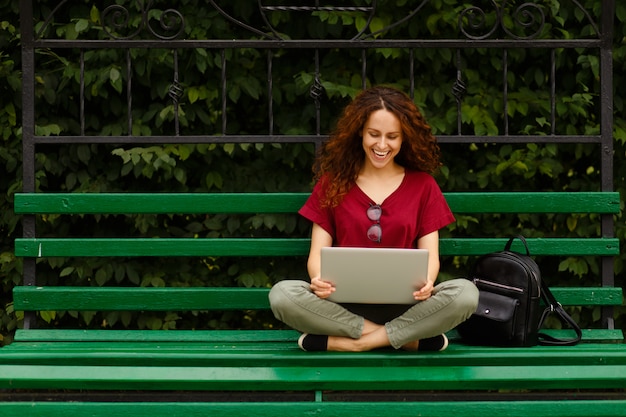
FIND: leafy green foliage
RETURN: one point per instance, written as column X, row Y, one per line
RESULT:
column 273, row 167
column 10, row 162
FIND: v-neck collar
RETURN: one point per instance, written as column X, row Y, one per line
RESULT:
column 387, row 199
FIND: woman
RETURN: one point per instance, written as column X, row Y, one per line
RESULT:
column 375, row 170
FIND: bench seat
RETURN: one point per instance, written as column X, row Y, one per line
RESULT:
column 270, row 360
column 554, row 408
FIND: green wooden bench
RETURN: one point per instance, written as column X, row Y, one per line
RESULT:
column 219, row 364
column 71, row 372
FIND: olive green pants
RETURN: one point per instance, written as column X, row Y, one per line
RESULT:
column 452, row 302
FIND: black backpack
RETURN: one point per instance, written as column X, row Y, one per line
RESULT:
column 509, row 311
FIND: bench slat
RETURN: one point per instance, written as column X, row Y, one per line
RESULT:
column 184, row 336
column 161, row 247
column 67, row 337
column 170, row 247
column 286, row 354
column 534, row 202
column 200, row 298
column 480, row 202
column 588, row 296
column 154, row 203
column 537, row 246
column 139, row 299
column 298, row 378
column 282, row 354
column 551, row 408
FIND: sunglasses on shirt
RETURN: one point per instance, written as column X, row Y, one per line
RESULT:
column 375, row 232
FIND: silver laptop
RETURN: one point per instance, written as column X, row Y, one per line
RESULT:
column 374, row 275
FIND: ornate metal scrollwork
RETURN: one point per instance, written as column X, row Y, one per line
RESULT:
column 367, row 10
column 175, row 91
column 459, row 89
column 117, row 18
column 524, row 21
column 317, row 89
column 266, row 8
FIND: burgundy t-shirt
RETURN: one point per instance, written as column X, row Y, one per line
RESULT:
column 415, row 209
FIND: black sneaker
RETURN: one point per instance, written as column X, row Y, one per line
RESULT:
column 433, row 344
column 313, row 342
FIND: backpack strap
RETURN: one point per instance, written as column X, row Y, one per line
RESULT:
column 508, row 245
column 554, row 307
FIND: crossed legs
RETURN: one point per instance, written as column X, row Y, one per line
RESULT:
column 452, row 302
column 374, row 336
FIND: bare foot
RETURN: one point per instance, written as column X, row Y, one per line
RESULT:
column 368, row 341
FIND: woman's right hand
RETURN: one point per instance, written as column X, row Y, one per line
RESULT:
column 321, row 288
column 319, row 239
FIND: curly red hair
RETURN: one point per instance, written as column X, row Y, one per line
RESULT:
column 341, row 158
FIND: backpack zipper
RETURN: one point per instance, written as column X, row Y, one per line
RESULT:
column 478, row 282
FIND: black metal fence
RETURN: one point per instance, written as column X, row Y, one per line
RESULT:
column 502, row 26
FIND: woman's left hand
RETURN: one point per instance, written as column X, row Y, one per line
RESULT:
column 425, row 292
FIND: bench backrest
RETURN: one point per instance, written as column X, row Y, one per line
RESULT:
column 52, row 298
column 601, row 203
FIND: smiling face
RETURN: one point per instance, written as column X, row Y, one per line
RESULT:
column 382, row 139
